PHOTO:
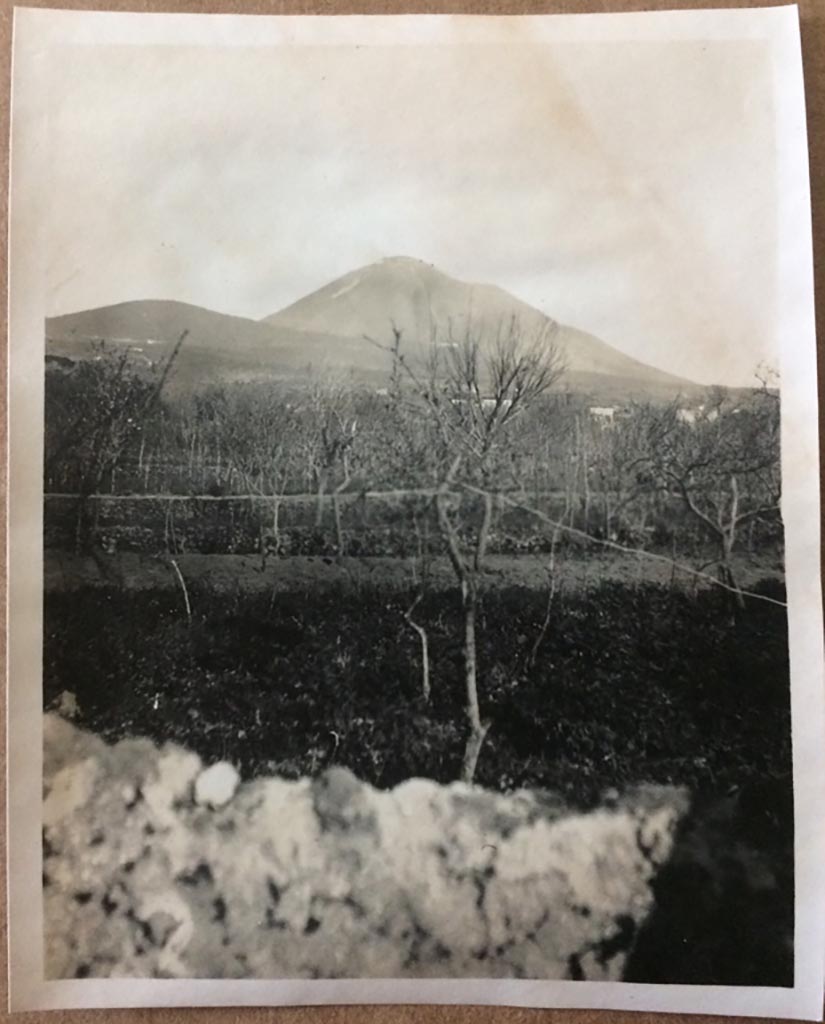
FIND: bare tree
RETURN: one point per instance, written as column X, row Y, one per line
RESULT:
column 329, row 444
column 473, row 390
column 628, row 491
column 260, row 433
column 113, row 407
column 723, row 465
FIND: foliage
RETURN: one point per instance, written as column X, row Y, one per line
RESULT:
column 616, row 696
column 476, row 426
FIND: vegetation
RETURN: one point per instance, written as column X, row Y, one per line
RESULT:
column 480, row 449
column 110, row 430
column 615, row 696
column 670, row 665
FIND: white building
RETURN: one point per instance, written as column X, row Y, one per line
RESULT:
column 604, row 414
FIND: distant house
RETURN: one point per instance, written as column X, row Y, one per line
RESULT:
column 604, row 414
column 491, row 403
column 692, row 416
column 487, row 403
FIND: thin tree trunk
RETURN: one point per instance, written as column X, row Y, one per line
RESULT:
column 728, row 574
column 425, row 649
column 182, row 582
column 319, row 498
column 469, row 598
column 572, row 496
column 339, row 532
column 336, row 509
column 729, row 539
column 270, row 540
column 586, row 486
column 276, row 517
column 169, row 534
column 96, row 517
column 478, row 729
column 483, row 533
column 673, row 563
column 548, row 611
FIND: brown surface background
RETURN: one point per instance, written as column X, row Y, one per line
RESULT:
column 812, row 16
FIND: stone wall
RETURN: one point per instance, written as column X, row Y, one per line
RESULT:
column 155, row 866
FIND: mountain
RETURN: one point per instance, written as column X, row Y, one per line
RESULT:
column 346, row 325
column 218, row 346
column 423, row 302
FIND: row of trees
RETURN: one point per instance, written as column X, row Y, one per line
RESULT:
column 109, row 430
column 479, row 420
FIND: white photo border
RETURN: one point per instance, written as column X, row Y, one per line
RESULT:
column 35, row 33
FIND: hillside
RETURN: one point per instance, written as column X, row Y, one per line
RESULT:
column 425, row 303
column 344, row 326
column 218, row 346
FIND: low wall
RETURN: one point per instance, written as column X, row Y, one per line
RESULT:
column 373, row 523
column 157, row 867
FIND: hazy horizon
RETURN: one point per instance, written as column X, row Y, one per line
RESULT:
column 634, row 198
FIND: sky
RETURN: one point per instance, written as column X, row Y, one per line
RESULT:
column 627, row 189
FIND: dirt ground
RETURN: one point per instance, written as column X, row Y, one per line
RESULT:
column 244, row 573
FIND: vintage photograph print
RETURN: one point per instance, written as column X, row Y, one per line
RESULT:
column 415, row 492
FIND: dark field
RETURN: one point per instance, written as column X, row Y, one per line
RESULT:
column 646, row 683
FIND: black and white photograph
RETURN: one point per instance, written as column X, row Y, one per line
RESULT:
column 424, row 538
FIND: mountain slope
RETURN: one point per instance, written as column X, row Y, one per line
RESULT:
column 423, row 302
column 346, row 325
column 218, row 346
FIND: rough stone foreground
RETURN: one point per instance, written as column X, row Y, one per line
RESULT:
column 145, row 876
